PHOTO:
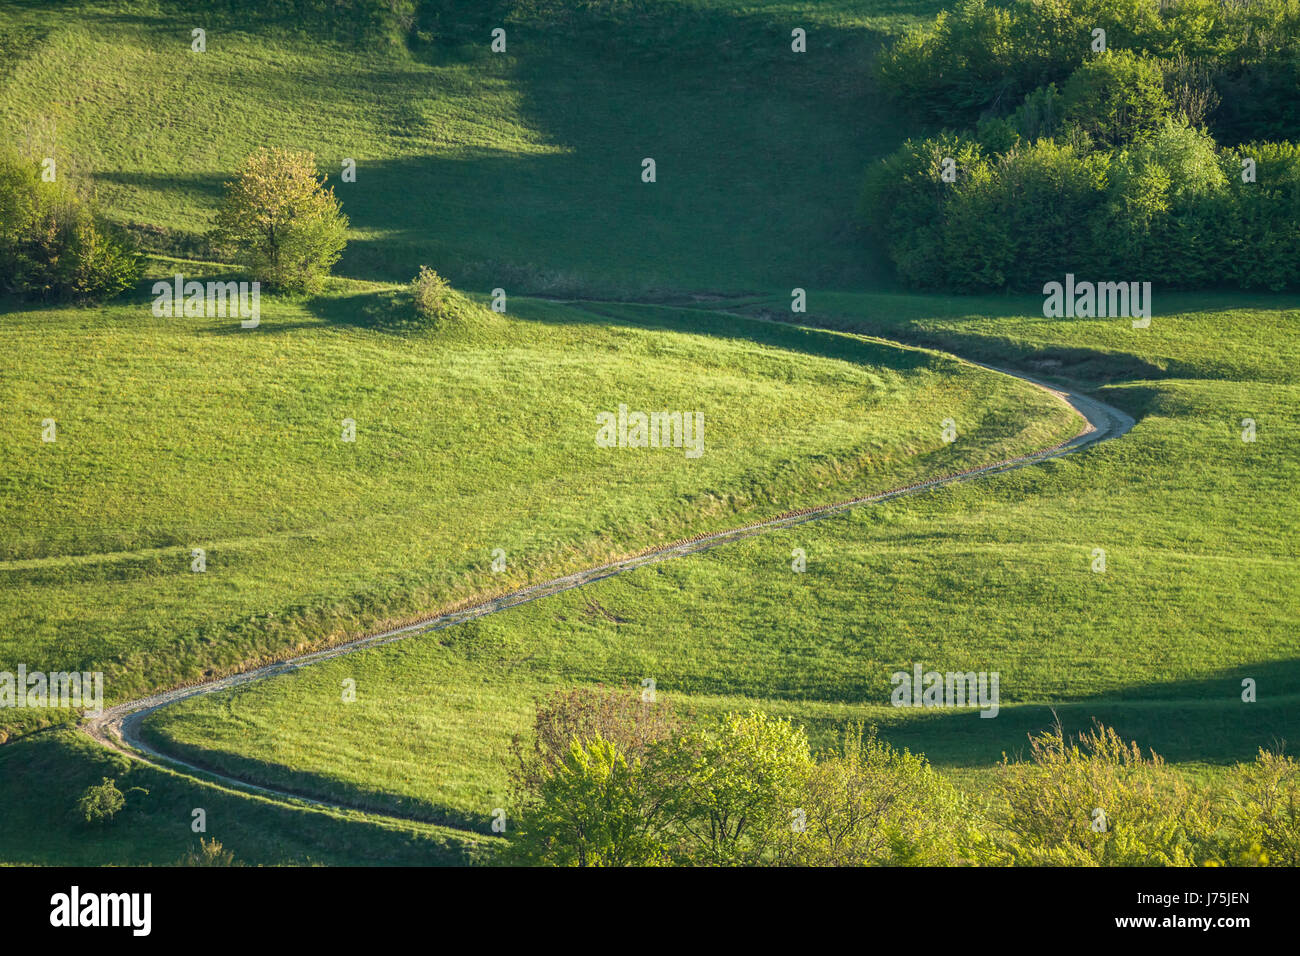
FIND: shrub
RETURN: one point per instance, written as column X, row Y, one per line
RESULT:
column 868, row 804
column 585, row 794
column 281, row 221
column 430, row 294
column 1005, row 224
column 906, row 201
column 646, row 793
column 19, row 185
column 1258, row 230
column 593, row 807
column 981, row 58
column 620, row 717
column 732, row 789
column 1165, row 208
column 101, row 802
column 208, row 853
column 1264, row 812
column 959, row 65
column 1096, row 800
column 1169, row 206
column 1039, row 197
column 1115, row 97
column 53, row 244
column 744, row 790
column 1040, row 115
column 1190, row 85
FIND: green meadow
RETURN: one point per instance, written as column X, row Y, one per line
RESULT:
column 1199, row 592
column 520, row 170
column 469, row 439
column 39, row 828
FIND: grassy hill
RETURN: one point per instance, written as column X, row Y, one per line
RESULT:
column 41, row 776
column 1199, row 592
column 519, row 170
column 522, row 171
column 194, row 433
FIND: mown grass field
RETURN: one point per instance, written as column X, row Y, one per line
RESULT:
column 39, row 828
column 1200, row 533
column 174, row 435
column 522, row 171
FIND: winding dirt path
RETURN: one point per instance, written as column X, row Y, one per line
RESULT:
column 119, row 727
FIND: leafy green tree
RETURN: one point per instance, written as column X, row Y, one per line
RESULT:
column 960, row 64
column 1163, row 208
column 1023, row 222
column 281, row 221
column 1040, row 115
column 101, row 801
column 633, row 725
column 907, row 203
column 1115, row 97
column 580, row 781
column 733, row 790
column 869, row 804
column 19, row 182
column 593, row 808
column 54, row 246
column 1190, row 85
column 1258, row 227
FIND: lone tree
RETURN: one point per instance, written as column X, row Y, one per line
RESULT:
column 101, row 801
column 282, row 222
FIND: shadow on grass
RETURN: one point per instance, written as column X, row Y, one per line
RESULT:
column 314, row 785
column 383, row 311
column 1204, row 720
column 208, row 187
column 42, row 776
column 737, row 202
column 717, row 97
column 813, row 342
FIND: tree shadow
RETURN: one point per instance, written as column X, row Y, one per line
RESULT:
column 1203, row 720
column 722, row 325
column 382, row 311
column 739, row 201
column 206, row 187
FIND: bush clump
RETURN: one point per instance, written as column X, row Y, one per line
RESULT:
column 54, row 245
column 1097, row 800
column 1098, row 163
column 609, row 779
column 430, row 294
column 208, row 853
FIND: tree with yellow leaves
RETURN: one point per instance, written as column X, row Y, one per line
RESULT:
column 281, row 221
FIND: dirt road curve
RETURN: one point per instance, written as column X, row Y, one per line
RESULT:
column 118, row 727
